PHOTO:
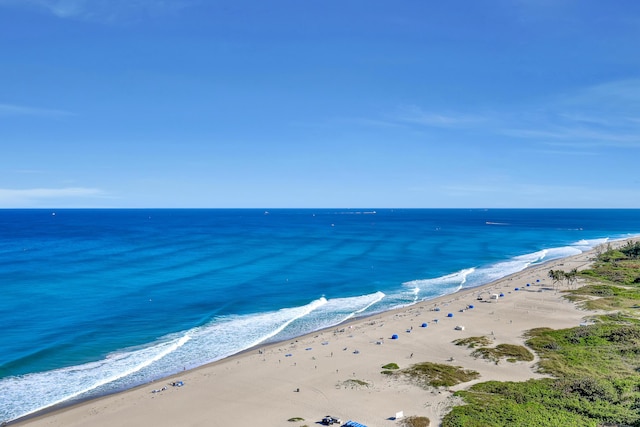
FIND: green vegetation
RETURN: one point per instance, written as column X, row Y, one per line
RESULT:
column 512, row 353
column 614, row 282
column 620, row 267
column 415, row 422
column 607, row 297
column 429, row 374
column 596, row 382
column 472, row 342
column 608, row 349
column 595, row 368
column 295, row 419
column 631, row 250
column 532, row 403
column 389, row 368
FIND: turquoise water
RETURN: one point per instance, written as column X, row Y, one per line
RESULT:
column 96, row 301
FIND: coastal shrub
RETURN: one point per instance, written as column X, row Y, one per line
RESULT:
column 590, row 388
column 541, row 402
column 391, row 366
column 624, row 334
column 540, row 338
column 415, row 421
column 527, row 404
column 598, row 290
column 612, row 255
column 544, row 342
column 631, row 250
column 600, row 348
column 614, row 267
column 472, row 342
column 588, row 335
column 438, row 375
column 616, row 317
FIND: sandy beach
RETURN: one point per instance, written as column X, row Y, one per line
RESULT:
column 313, row 376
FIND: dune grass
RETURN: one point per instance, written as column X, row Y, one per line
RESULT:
column 429, row 374
column 355, row 383
column 473, row 342
column 415, row 421
column 510, row 352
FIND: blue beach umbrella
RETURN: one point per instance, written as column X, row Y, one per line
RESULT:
column 394, row 336
column 450, row 315
column 424, row 325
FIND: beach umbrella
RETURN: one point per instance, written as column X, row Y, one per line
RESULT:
column 450, row 315
column 470, row 306
column 424, row 325
column 394, row 336
column 501, row 294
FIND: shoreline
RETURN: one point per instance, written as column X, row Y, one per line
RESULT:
column 258, row 363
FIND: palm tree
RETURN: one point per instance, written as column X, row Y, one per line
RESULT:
column 571, row 277
column 557, row 276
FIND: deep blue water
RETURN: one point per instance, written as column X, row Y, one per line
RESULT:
column 95, row 301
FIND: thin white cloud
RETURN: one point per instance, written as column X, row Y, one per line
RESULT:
column 415, row 115
column 578, row 136
column 36, row 197
column 528, row 195
column 609, row 93
column 600, row 115
column 604, row 115
column 100, row 10
column 20, row 110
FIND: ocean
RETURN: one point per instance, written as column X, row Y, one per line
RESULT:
column 98, row 301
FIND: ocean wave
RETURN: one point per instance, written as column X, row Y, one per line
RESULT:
column 429, row 288
column 457, row 278
column 38, row 391
column 477, row 276
column 220, row 338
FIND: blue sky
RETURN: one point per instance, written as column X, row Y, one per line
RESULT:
column 319, row 103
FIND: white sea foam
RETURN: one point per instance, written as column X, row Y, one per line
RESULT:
column 218, row 339
column 477, row 276
column 42, row 390
column 456, row 280
column 336, row 311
